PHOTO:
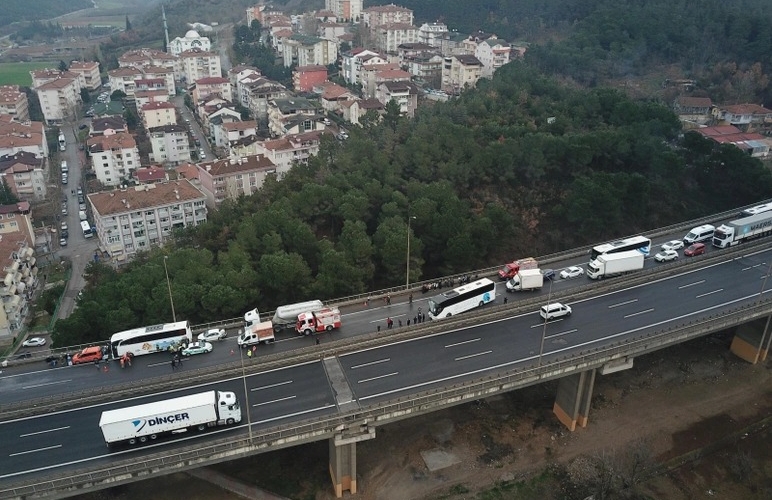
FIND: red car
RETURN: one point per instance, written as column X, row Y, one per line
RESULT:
column 694, row 250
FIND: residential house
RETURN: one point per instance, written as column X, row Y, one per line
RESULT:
column 16, row 137
column 278, row 37
column 25, row 175
column 260, row 94
column 142, row 97
column 352, row 63
column 332, row 95
column 373, row 77
column 390, row 36
column 216, row 112
column 226, row 133
column 746, row 117
column 345, row 10
column 13, row 102
column 169, row 144
column 493, row 53
column 233, row 177
column 287, row 151
column 305, row 78
column 192, row 40
column 150, row 175
column 425, row 68
column 294, row 112
column 158, row 114
column 132, row 220
column 108, row 125
column 693, row 110
column 304, row 50
column 45, row 75
column 238, row 77
column 404, row 93
column 211, row 86
column 379, row 15
column 113, row 157
column 432, row 34
column 260, row 13
column 17, row 258
column 326, row 16
column 123, row 79
column 459, row 71
column 753, row 144
column 246, row 146
column 353, row 110
column 89, row 73
column 196, row 64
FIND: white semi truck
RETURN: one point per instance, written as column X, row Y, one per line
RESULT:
column 614, row 264
column 147, row 422
column 743, row 229
column 526, row 279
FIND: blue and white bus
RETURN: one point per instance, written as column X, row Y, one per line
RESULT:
column 150, row 339
column 462, row 299
column 640, row 243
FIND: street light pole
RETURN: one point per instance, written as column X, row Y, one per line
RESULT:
column 407, row 257
column 169, row 286
column 544, row 330
column 246, row 394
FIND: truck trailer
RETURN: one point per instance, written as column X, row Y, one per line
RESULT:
column 257, row 333
column 511, row 269
column 614, row 264
column 287, row 316
column 743, row 229
column 324, row 320
column 526, row 279
column 147, row 422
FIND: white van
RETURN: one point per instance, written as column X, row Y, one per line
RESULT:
column 699, row 234
column 64, row 167
column 287, row 316
column 555, row 310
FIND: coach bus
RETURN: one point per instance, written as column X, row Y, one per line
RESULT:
column 462, row 299
column 640, row 243
column 150, row 339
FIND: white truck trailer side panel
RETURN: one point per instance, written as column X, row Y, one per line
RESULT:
column 157, row 417
column 529, row 279
column 288, row 315
column 616, row 263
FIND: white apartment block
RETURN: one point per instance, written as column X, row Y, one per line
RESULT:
column 459, row 71
column 191, row 40
column 228, row 132
column 345, row 10
column 169, row 144
column 198, row 64
column 239, row 76
column 283, row 113
column 379, row 15
column 59, row 99
column 13, row 102
column 210, row 86
column 390, row 36
column 140, row 58
column 405, row 94
column 20, row 271
column 493, row 53
column 131, row 220
column 287, row 151
column 16, row 137
column 304, row 50
column 352, row 64
column 260, row 93
column 433, row 33
column 113, row 157
column 158, row 114
column 89, row 73
column 124, row 79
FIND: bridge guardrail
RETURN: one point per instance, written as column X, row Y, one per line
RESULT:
column 324, row 427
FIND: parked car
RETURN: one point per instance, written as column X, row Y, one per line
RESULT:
column 694, row 250
column 549, row 274
column 34, row 342
column 65, row 234
column 64, row 226
column 88, row 355
column 666, row 255
column 197, row 348
column 62, row 242
column 571, row 272
column 673, row 245
column 212, row 334
column 64, row 210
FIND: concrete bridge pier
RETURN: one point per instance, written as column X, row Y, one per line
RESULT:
column 572, row 403
column 343, row 458
column 751, row 340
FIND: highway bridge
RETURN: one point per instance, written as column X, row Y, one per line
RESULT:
column 342, row 390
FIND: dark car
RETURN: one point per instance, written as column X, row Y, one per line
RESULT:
column 83, row 126
column 65, row 234
column 549, row 274
column 694, row 250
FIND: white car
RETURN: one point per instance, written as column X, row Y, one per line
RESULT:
column 64, row 226
column 34, row 342
column 197, row 348
column 666, row 255
column 212, row 334
column 554, row 310
column 673, row 245
column 571, row 272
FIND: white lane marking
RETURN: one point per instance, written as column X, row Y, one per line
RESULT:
column 49, row 383
column 461, row 358
column 463, row 342
column 549, row 322
column 392, row 317
column 379, row 361
column 376, row 378
column 556, row 351
column 638, row 313
column 561, row 333
column 691, row 284
column 612, row 306
column 271, row 385
column 274, row 401
column 752, row 267
column 43, row 432
column 290, row 415
column 35, row 451
column 708, row 293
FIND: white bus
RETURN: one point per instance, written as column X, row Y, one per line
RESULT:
column 149, row 339
column 758, row 209
column 462, row 299
column 84, row 225
column 640, row 243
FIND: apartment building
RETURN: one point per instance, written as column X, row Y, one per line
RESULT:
column 433, row 33
column 493, row 53
column 332, row 95
column 158, row 114
column 140, row 58
column 284, row 153
column 131, row 220
column 197, row 64
column 286, row 114
column 305, row 78
column 20, row 270
column 239, row 76
column 389, row 36
column 404, row 93
column 108, row 125
column 16, row 137
column 191, row 40
column 345, row 10
column 142, row 97
column 229, row 132
column 233, row 177
column 304, row 50
column 211, row 86
column 113, row 157
column 150, row 175
column 169, row 144
column 59, row 99
column 353, row 110
column 88, row 72
column 373, row 77
column 331, row 30
column 124, row 79
column 459, row 71
column 352, row 63
column 25, row 175
column 13, row 102
column 378, row 15
column 260, row 93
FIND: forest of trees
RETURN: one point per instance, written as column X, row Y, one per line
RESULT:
column 487, row 177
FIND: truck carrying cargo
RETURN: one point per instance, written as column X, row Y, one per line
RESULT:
column 287, row 316
column 744, row 229
column 326, row 319
column 526, row 279
column 511, row 269
column 147, row 422
column 614, row 264
column 257, row 333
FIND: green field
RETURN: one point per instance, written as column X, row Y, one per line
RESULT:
column 18, row 73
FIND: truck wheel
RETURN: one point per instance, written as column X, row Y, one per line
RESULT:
column 481, row 303
column 201, row 427
column 230, row 421
column 133, row 441
column 153, row 437
column 329, row 328
column 306, row 332
column 448, row 315
column 143, row 439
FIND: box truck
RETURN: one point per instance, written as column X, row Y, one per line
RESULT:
column 323, row 320
column 146, row 422
column 743, row 229
column 511, row 269
column 256, row 333
column 614, row 264
column 526, row 279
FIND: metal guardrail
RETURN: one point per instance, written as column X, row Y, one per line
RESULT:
column 398, row 408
